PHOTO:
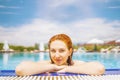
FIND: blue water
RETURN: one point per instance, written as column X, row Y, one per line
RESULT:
column 8, row 61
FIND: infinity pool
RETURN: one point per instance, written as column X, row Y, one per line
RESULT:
column 8, row 61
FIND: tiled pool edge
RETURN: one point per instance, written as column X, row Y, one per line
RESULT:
column 12, row 73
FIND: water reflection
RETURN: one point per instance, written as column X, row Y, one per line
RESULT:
column 109, row 60
column 41, row 56
column 5, row 59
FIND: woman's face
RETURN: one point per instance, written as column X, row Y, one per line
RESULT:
column 59, row 52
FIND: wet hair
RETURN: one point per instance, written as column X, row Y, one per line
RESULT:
column 66, row 39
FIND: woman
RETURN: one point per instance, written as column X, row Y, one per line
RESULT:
column 60, row 51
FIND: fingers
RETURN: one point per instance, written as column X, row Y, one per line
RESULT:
column 62, row 71
column 60, row 67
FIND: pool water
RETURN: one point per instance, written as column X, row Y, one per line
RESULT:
column 8, row 61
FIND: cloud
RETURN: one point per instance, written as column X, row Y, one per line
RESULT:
column 35, row 32
column 61, row 3
column 68, row 9
column 96, row 28
column 80, row 31
column 114, row 7
column 13, row 13
column 57, row 3
column 11, row 7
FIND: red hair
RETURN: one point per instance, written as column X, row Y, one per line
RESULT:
column 67, row 40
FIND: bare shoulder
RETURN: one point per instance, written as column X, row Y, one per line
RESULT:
column 76, row 62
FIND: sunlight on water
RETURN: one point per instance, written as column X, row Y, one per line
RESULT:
column 9, row 61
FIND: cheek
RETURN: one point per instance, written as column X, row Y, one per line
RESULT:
column 52, row 56
column 65, row 56
column 67, row 53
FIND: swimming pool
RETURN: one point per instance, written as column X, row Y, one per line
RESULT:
column 8, row 61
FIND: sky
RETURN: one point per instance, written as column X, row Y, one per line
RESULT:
column 26, row 22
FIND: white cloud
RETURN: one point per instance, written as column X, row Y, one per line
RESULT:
column 58, row 3
column 13, row 13
column 67, row 9
column 8, row 7
column 80, row 31
column 114, row 7
column 96, row 28
column 61, row 3
column 12, row 7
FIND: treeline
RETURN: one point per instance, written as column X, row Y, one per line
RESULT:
column 20, row 48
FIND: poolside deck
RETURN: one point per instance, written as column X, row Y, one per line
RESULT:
column 110, row 74
column 78, row 77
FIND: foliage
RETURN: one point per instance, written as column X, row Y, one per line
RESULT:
column 17, row 48
column 1, row 46
column 36, row 46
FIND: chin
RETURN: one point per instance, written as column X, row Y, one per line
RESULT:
column 58, row 64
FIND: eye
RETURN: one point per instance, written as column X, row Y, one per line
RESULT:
column 61, row 50
column 52, row 50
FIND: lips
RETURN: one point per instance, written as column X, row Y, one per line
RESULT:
column 58, row 60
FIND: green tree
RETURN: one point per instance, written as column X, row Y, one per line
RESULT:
column 1, row 46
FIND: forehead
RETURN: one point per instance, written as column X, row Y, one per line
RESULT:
column 58, row 44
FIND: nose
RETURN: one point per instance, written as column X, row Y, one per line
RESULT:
column 57, row 55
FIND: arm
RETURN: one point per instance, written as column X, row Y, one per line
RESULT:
column 30, row 68
column 92, row 68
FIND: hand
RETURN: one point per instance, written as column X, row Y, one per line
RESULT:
column 62, row 70
column 57, row 68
